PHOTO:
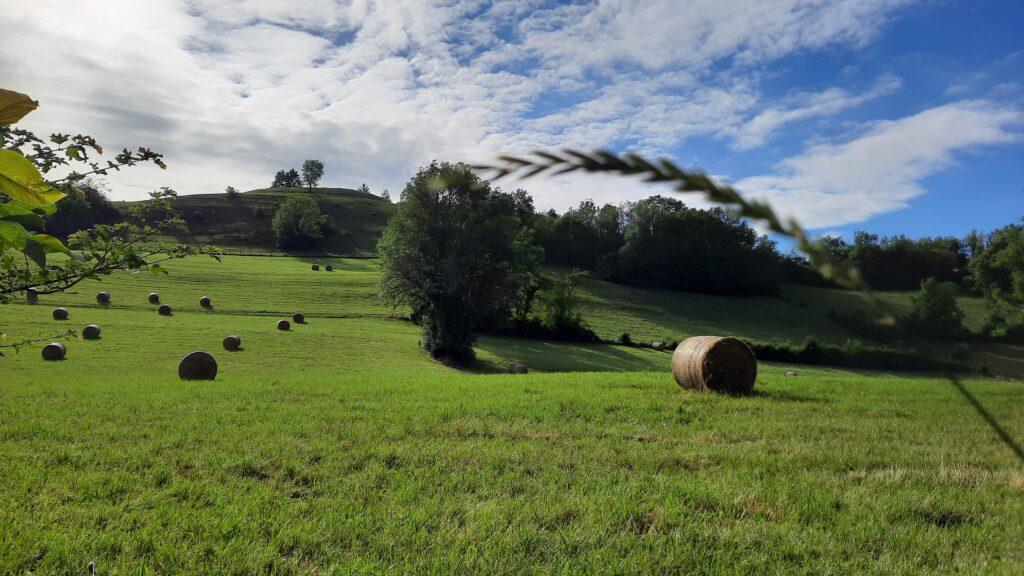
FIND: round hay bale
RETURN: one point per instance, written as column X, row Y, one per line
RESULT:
column 232, row 342
column 314, row 267
column 283, row 325
column 298, row 318
column 164, row 310
column 103, row 297
column 329, row 268
column 717, row 363
column 154, row 298
column 32, row 296
column 517, row 369
column 91, row 332
column 197, row 365
column 205, row 302
column 60, row 313
column 54, row 351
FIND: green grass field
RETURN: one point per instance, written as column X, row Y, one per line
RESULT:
column 337, row 447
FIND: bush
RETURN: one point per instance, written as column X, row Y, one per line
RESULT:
column 625, row 339
column 855, row 354
column 299, row 223
column 232, row 193
column 935, row 314
column 558, row 307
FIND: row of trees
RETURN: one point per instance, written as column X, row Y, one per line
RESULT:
column 312, row 173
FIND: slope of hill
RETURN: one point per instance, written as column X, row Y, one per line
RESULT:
column 242, row 224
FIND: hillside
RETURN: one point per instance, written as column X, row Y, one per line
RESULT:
column 242, row 224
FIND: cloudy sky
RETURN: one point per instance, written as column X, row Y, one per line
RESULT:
column 886, row 115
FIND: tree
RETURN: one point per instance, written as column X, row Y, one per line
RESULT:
column 287, row 179
column 934, row 313
column 558, row 307
column 312, row 172
column 386, row 195
column 27, row 199
column 84, row 206
column 363, row 188
column 455, row 252
column 997, row 272
column 299, row 223
column 231, row 193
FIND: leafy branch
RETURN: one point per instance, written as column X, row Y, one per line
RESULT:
column 665, row 171
column 18, row 345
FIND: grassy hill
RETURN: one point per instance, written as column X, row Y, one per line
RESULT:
column 236, row 224
column 338, row 447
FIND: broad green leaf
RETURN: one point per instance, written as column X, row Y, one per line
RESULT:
column 24, row 214
column 14, row 234
column 35, row 251
column 20, row 180
column 14, row 106
column 51, row 244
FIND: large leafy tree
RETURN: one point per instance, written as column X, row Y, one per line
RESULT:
column 287, row 179
column 456, row 253
column 28, row 197
column 299, row 223
column 312, row 172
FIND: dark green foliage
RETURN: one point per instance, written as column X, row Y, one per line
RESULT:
column 625, row 339
column 557, row 306
column 287, row 179
column 231, row 192
column 312, row 172
column 580, row 237
column 84, row 206
column 456, row 254
column 299, row 223
column 855, row 354
column 901, row 263
column 934, row 313
column 997, row 272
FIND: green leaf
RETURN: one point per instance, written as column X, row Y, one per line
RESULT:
column 35, row 252
column 14, row 106
column 13, row 234
column 20, row 180
column 51, row 245
column 24, row 214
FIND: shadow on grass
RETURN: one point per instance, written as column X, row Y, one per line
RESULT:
column 987, row 417
column 551, row 356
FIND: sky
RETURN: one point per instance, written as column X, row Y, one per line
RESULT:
column 892, row 116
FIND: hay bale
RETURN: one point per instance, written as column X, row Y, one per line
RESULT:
column 91, row 332
column 790, row 373
column 103, row 297
column 232, row 343
column 32, row 296
column 54, row 351
column 329, row 268
column 197, row 365
column 164, row 310
column 658, row 345
column 154, row 298
column 298, row 318
column 283, row 325
column 717, row 363
column 60, row 313
column 517, row 369
column 315, row 267
column 205, row 302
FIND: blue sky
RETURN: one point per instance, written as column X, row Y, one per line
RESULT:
column 893, row 116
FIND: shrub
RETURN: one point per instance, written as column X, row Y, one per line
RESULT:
column 855, row 354
column 935, row 314
column 625, row 339
column 231, row 192
column 299, row 223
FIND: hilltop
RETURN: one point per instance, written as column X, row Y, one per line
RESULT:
column 242, row 223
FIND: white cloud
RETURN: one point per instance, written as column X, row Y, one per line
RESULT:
column 233, row 91
column 881, row 170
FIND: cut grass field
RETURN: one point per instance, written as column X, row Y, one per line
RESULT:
column 337, row 447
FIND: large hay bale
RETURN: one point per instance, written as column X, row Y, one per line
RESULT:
column 205, row 302
column 314, row 267
column 329, row 268
column 31, row 296
column 232, row 342
column 154, row 298
column 298, row 318
column 717, row 363
column 197, row 365
column 91, row 332
column 517, row 369
column 164, row 310
column 60, row 313
column 103, row 297
column 283, row 325
column 54, row 351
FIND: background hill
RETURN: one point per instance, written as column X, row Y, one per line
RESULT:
column 241, row 224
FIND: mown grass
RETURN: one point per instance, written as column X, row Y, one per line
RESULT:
column 337, row 448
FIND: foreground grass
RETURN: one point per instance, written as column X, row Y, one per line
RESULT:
column 338, row 448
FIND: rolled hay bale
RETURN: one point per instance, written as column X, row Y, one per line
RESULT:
column 103, row 297
column 232, row 343
column 54, row 351
column 154, row 298
column 164, row 310
column 91, row 332
column 658, row 345
column 314, row 267
column 205, row 302
column 283, row 325
column 329, row 268
column 31, row 296
column 298, row 318
column 197, row 365
column 718, row 363
column 517, row 369
column 60, row 313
